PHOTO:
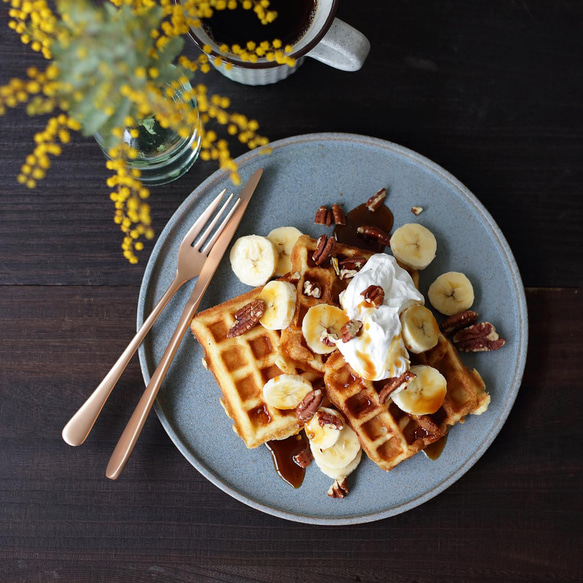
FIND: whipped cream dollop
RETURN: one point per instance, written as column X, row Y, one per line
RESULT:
column 378, row 352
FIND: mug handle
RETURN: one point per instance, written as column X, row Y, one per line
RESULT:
column 343, row 47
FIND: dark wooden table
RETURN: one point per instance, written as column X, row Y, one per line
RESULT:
column 491, row 90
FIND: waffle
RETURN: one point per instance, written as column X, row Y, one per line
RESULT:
column 293, row 344
column 387, row 434
column 241, row 366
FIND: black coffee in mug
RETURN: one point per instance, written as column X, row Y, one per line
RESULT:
column 239, row 26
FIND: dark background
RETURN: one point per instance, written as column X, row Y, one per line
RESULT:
column 491, row 90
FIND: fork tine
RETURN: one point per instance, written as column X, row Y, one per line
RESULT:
column 209, row 245
column 202, row 220
column 211, row 226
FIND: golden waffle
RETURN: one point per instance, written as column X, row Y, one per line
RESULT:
column 293, row 344
column 241, row 366
column 389, row 435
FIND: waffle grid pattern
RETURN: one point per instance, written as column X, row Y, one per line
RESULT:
column 241, row 366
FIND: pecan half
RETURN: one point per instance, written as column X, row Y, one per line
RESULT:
column 458, row 321
column 374, row 294
column 309, row 405
column 329, row 419
column 246, row 318
column 393, row 384
column 339, row 489
column 480, row 337
column 323, row 216
column 416, row 210
column 348, row 268
column 370, row 232
column 350, row 330
column 303, row 459
column 312, row 289
column 481, row 345
column 338, row 215
column 325, row 247
column 376, row 200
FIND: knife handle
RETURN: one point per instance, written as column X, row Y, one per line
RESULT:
column 131, row 433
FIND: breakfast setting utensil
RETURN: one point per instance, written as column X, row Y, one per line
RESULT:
column 219, row 242
column 191, row 259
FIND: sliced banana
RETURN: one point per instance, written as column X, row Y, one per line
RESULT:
column 280, row 304
column 322, row 436
column 284, row 239
column 344, row 450
column 253, row 259
column 420, row 331
column 340, row 473
column 414, row 245
column 424, row 394
column 286, row 391
column 451, row 293
column 319, row 321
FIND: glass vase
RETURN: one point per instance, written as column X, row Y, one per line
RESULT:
column 162, row 154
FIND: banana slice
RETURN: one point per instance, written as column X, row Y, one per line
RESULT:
column 280, row 304
column 424, row 394
column 253, row 259
column 341, row 453
column 286, row 391
column 414, row 245
column 419, row 329
column 340, row 473
column 322, row 436
column 321, row 321
column 451, row 293
column 284, row 239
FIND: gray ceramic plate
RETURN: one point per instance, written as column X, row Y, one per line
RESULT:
column 301, row 174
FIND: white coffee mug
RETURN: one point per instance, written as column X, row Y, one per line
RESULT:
column 328, row 40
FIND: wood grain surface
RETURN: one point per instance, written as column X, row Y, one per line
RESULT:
column 491, row 90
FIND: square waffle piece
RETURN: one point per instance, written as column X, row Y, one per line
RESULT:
column 387, row 434
column 241, row 366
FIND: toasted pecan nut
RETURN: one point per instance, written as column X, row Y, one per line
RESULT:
column 458, row 321
column 338, row 215
column 309, row 405
column 339, row 489
column 482, row 330
column 374, row 233
column 393, row 384
column 312, row 289
column 376, row 201
column 481, row 345
column 247, row 317
column 303, row 459
column 325, row 247
column 350, row 330
column 374, row 294
column 323, row 216
column 329, row 419
column 348, row 268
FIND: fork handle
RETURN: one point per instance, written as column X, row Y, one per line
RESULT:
column 129, row 437
column 80, row 425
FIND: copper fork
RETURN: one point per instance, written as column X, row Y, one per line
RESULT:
column 191, row 259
